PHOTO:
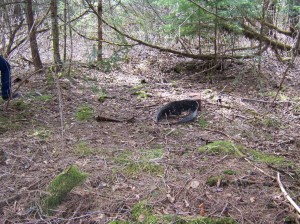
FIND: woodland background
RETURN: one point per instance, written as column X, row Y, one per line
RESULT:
column 82, row 146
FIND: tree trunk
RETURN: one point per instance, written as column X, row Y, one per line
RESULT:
column 55, row 34
column 32, row 37
column 65, row 30
column 100, row 32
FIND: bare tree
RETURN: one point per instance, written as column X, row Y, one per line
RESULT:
column 65, row 30
column 55, row 34
column 100, row 31
column 32, row 36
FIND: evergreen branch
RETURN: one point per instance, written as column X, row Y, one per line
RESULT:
column 185, row 54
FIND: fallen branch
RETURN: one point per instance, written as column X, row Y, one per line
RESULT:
column 109, row 119
column 259, row 169
column 252, row 164
column 75, row 212
column 264, row 101
column 286, row 195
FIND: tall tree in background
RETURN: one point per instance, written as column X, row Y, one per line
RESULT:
column 55, row 34
column 65, row 31
column 100, row 31
column 32, row 37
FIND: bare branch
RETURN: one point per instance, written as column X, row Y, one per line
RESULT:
column 286, row 195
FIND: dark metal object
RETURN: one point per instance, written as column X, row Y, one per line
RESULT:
column 176, row 108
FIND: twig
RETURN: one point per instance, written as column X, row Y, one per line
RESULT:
column 9, row 200
column 285, row 194
column 252, row 164
column 60, row 103
column 225, row 209
column 146, row 106
column 219, row 132
column 75, row 212
column 259, row 169
column 170, row 132
column 184, row 187
column 263, row 101
column 100, row 118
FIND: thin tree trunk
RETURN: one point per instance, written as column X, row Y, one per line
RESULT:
column 264, row 9
column 100, row 31
column 65, row 30
column 32, row 37
column 216, row 34
column 55, row 34
column 199, row 37
column 71, row 42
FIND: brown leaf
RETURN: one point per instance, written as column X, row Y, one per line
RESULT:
column 170, row 198
column 202, row 209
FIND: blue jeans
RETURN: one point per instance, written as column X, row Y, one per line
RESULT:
column 5, row 78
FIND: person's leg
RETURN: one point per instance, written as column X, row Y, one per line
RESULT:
column 5, row 78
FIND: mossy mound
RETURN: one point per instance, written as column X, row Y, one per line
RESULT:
column 229, row 148
column 220, row 147
column 84, row 112
column 61, row 185
column 142, row 163
column 143, row 214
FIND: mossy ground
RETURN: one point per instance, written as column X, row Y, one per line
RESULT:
column 84, row 112
column 61, row 185
column 143, row 214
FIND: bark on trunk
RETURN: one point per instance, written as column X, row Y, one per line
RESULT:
column 32, row 37
column 100, row 32
column 55, row 34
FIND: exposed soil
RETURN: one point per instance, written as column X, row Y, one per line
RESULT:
column 175, row 182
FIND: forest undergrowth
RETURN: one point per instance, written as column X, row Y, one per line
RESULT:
column 223, row 164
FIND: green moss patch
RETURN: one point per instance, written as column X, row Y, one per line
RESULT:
column 143, row 214
column 202, row 121
column 220, row 147
column 83, row 149
column 9, row 123
column 20, row 105
column 44, row 98
column 141, row 163
column 143, row 167
column 61, row 185
column 140, row 92
column 19, row 113
column 230, row 172
column 266, row 158
column 228, row 148
column 84, row 112
column 42, row 133
column 149, row 154
column 212, row 181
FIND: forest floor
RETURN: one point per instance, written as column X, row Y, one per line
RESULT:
column 223, row 164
